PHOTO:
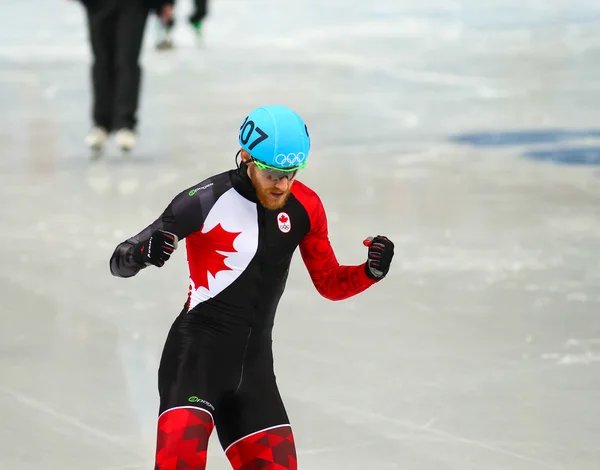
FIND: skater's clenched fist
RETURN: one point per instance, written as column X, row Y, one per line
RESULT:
column 156, row 250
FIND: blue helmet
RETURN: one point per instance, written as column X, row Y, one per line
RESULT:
column 276, row 136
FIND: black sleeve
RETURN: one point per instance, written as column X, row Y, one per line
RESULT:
column 183, row 216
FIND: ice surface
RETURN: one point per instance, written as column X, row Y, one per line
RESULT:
column 466, row 131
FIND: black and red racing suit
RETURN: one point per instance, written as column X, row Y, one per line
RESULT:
column 218, row 354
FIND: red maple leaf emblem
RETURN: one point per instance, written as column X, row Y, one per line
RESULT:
column 283, row 219
column 204, row 253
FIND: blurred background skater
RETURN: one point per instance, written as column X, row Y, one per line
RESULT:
column 198, row 15
column 116, row 31
column 195, row 19
column 165, row 31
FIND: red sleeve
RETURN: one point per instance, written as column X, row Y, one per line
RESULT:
column 333, row 281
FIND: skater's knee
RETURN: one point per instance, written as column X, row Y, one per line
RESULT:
column 182, row 440
column 128, row 57
column 248, row 452
column 128, row 65
column 103, row 62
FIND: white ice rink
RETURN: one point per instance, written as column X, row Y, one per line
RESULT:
column 468, row 131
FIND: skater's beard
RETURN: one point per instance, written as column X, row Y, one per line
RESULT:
column 270, row 193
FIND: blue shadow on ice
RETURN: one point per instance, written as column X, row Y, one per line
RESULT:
column 524, row 137
column 548, row 145
column 570, row 156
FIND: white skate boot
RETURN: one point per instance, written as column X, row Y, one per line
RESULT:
column 125, row 139
column 96, row 139
column 164, row 36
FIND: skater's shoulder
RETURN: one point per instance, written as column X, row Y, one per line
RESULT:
column 305, row 195
column 214, row 185
column 216, row 181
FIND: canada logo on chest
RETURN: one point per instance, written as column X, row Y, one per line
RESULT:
column 283, row 222
column 223, row 248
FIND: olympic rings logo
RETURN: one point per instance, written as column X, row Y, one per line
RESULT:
column 291, row 159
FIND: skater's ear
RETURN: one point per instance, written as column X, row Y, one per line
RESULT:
column 245, row 156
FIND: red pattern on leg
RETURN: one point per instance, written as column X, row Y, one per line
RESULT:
column 182, row 439
column 272, row 449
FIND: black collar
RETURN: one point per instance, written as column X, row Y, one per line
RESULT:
column 242, row 183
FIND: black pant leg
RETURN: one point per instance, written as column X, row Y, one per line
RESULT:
column 202, row 357
column 131, row 23
column 256, row 405
column 200, row 10
column 101, row 17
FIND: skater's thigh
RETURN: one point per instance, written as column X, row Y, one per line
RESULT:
column 253, row 419
column 255, row 406
column 102, row 22
column 201, row 362
column 130, row 28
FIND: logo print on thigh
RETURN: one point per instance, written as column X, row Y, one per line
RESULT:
column 195, row 399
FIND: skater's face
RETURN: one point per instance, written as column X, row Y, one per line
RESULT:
column 271, row 194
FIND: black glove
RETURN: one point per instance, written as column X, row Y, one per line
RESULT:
column 381, row 252
column 156, row 250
